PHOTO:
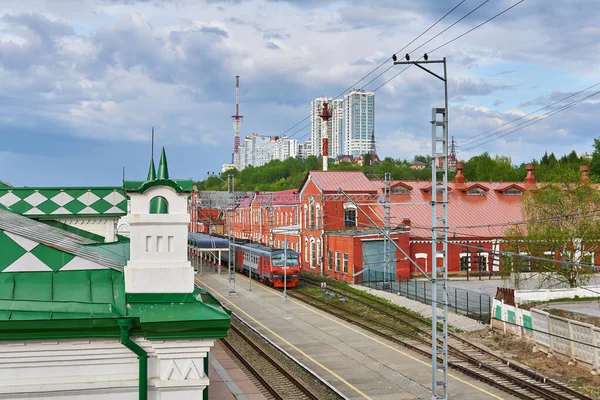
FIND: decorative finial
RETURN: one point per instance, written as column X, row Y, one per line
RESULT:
column 163, row 169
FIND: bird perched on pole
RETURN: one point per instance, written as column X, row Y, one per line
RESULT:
column 407, row 56
column 394, row 57
column 425, row 57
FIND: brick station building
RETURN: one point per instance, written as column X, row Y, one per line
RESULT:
column 337, row 237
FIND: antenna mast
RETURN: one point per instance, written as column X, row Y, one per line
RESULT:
column 237, row 123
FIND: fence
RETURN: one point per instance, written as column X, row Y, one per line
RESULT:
column 575, row 340
column 526, row 296
column 472, row 304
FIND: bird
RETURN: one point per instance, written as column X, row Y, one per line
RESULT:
column 394, row 57
column 407, row 56
column 425, row 57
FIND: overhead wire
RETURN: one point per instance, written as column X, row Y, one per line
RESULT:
column 387, row 60
column 468, row 139
column 527, row 123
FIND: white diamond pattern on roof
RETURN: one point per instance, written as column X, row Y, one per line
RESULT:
column 61, row 210
column 113, row 210
column 115, row 198
column 8, row 199
column 78, row 264
column 88, row 210
column 88, row 198
column 28, row 263
column 25, row 243
column 61, row 199
column 34, row 211
column 35, row 199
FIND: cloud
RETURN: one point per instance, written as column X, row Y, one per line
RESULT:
column 94, row 73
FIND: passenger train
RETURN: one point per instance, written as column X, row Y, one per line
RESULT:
column 267, row 263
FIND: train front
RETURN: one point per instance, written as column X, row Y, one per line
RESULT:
column 285, row 268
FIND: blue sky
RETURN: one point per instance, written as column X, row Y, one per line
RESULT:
column 83, row 82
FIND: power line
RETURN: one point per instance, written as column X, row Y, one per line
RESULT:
column 388, row 59
column 530, row 122
column 525, row 116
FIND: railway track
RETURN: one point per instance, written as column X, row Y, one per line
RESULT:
column 413, row 332
column 276, row 372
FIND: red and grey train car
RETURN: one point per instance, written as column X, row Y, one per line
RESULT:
column 267, row 263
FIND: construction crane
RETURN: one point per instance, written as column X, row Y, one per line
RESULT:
column 237, row 120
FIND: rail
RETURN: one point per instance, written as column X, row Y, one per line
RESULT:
column 479, row 362
column 326, row 387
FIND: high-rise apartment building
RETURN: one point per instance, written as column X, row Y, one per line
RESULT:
column 257, row 150
column 335, row 126
column 359, row 122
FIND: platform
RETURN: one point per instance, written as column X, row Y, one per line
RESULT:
column 227, row 380
column 358, row 363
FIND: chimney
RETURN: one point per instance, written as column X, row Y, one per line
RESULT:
column 529, row 178
column 459, row 178
column 406, row 221
column 585, row 179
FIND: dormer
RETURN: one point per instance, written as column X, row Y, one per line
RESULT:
column 511, row 189
column 400, row 188
column 427, row 189
column 475, row 189
column 158, row 220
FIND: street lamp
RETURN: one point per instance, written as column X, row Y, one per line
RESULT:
column 439, row 232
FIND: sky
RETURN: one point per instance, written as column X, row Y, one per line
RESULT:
column 83, row 82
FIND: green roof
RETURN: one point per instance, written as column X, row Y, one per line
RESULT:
column 185, row 185
column 35, row 305
column 64, row 201
column 159, row 179
column 29, row 245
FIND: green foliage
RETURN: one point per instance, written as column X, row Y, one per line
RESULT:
column 561, row 224
column 289, row 174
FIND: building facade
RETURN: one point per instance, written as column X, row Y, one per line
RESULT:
column 86, row 318
column 257, row 150
column 359, row 122
column 338, row 234
column 334, row 126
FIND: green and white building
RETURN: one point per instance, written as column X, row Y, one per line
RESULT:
column 88, row 314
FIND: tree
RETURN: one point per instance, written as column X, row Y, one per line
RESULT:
column 560, row 225
column 595, row 163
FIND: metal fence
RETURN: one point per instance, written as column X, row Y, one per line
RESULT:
column 472, row 304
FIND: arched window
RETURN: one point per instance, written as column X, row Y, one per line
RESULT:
column 349, row 215
column 311, row 213
column 312, row 253
column 318, row 257
column 305, row 216
column 305, row 250
column 159, row 205
column 317, row 215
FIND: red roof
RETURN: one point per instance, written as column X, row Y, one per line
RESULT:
column 468, row 215
column 282, row 197
column 349, row 181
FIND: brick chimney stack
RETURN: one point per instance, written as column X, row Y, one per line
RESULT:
column 529, row 178
column 459, row 178
column 585, row 179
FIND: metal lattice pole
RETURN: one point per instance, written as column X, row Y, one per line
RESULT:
column 386, row 226
column 439, row 235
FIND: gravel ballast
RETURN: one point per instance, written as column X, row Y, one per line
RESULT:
column 454, row 320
